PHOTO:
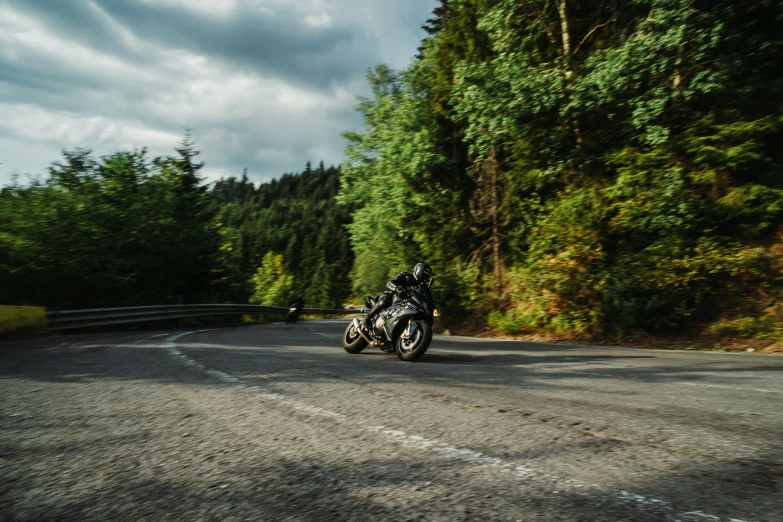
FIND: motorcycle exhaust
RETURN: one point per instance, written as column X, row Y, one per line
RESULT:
column 358, row 326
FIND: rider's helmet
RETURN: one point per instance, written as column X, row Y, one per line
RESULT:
column 423, row 273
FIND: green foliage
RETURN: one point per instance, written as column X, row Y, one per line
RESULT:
column 765, row 327
column 369, row 274
column 387, row 233
column 295, row 216
column 639, row 179
column 272, row 283
column 118, row 230
column 589, row 166
column 127, row 230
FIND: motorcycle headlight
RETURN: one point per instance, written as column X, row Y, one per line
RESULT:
column 435, row 313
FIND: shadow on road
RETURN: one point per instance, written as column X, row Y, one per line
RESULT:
column 410, row 487
column 272, row 349
column 272, row 487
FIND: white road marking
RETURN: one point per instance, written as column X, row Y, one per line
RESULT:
column 699, row 384
column 701, row 515
column 639, row 499
column 463, row 339
column 87, row 345
column 330, row 336
column 469, row 456
column 761, row 390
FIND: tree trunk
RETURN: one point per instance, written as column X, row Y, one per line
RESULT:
column 492, row 164
column 566, row 59
column 485, row 207
column 564, row 30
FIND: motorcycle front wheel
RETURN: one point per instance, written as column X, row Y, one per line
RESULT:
column 352, row 341
column 414, row 347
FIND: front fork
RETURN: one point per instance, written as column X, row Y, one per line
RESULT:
column 410, row 330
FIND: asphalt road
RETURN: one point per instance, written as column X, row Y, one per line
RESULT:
column 277, row 422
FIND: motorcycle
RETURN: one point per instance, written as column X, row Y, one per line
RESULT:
column 293, row 315
column 404, row 328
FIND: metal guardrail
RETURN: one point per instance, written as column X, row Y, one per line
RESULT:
column 72, row 319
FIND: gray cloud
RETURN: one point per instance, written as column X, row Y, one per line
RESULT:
column 264, row 84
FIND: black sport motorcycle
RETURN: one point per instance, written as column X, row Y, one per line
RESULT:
column 404, row 328
column 293, row 315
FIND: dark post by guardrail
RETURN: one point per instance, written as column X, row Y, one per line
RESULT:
column 72, row 319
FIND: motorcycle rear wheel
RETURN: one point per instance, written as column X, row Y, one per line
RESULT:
column 412, row 349
column 352, row 341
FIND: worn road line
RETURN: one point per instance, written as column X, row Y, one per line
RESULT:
column 698, row 384
column 316, row 332
column 478, row 459
column 743, row 388
column 580, row 429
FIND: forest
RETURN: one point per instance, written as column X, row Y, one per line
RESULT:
column 129, row 230
column 582, row 167
column 577, row 167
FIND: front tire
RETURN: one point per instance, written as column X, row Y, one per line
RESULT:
column 352, row 341
column 413, row 348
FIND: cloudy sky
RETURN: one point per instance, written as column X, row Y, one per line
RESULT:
column 263, row 84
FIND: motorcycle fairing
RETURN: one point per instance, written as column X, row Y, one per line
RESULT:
column 400, row 314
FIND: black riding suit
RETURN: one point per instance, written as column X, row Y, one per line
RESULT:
column 402, row 280
column 297, row 303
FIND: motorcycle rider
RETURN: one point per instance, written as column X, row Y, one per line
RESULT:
column 297, row 303
column 420, row 279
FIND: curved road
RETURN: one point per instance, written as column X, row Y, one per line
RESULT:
column 277, row 422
